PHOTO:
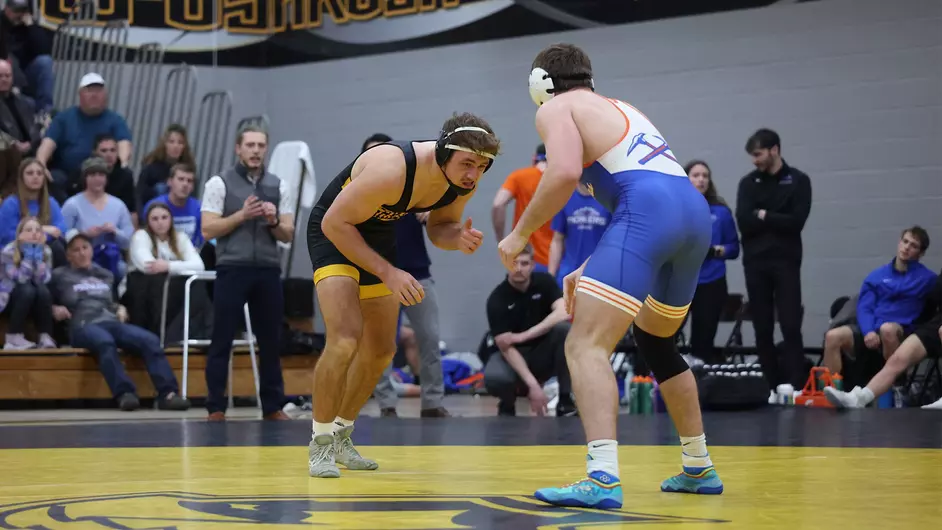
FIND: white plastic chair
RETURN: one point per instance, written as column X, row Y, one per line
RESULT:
column 191, row 277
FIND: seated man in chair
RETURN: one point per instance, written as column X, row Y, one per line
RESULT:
column 527, row 318
column 891, row 298
column 925, row 341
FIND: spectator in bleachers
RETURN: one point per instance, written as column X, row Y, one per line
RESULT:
column 173, row 149
column 120, row 180
column 519, row 187
column 891, row 298
column 577, row 229
column 710, row 296
column 28, row 45
column 183, row 207
column 925, row 341
column 247, row 210
column 102, row 217
column 19, row 132
column 32, row 199
column 772, row 205
column 84, row 293
column 70, row 138
column 158, row 249
column 527, row 318
column 25, row 269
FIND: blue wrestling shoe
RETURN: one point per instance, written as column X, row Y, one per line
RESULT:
column 598, row 490
column 700, row 480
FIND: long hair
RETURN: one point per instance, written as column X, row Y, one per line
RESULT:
column 160, row 152
column 711, row 196
column 17, row 253
column 45, row 215
column 171, row 234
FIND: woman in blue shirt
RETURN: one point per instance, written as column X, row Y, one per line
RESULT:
column 711, row 294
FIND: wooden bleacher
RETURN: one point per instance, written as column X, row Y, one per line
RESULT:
column 72, row 373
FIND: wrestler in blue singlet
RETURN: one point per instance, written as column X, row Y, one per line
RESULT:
column 660, row 229
column 650, row 255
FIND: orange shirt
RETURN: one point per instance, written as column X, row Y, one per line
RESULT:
column 522, row 185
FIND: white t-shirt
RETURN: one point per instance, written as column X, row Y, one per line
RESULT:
column 142, row 253
column 214, row 197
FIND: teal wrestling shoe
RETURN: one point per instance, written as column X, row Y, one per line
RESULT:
column 699, row 480
column 599, row 490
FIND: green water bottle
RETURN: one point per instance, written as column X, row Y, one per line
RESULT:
column 646, row 406
column 838, row 381
column 633, row 395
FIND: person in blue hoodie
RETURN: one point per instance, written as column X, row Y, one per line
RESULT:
column 711, row 294
column 891, row 300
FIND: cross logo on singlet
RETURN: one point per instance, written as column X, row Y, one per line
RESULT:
column 657, row 145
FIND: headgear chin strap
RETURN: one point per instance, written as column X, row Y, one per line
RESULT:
column 442, row 154
column 543, row 87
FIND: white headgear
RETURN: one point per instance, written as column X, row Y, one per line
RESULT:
column 542, row 88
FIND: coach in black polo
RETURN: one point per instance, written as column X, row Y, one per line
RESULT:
column 528, row 320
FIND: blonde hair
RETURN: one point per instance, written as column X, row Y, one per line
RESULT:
column 17, row 253
column 171, row 234
column 45, row 214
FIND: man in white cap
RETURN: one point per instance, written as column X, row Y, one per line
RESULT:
column 71, row 136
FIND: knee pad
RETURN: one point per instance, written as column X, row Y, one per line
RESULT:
column 661, row 355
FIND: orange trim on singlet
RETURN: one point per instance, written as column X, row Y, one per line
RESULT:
column 623, row 136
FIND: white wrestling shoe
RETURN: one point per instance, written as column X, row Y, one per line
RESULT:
column 845, row 400
column 320, row 457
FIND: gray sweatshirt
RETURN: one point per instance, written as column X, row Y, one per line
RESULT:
column 86, row 293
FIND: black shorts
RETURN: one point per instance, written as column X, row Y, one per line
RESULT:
column 328, row 261
column 928, row 335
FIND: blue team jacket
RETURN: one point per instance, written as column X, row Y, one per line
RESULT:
column 888, row 295
column 724, row 233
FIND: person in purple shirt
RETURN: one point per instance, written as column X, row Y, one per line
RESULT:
column 184, row 208
column 711, row 294
column 577, row 229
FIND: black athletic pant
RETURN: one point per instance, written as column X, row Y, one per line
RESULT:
column 261, row 288
column 775, row 287
column 545, row 359
column 705, row 311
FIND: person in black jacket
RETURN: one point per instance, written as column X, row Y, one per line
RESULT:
column 28, row 47
column 772, row 206
column 173, row 148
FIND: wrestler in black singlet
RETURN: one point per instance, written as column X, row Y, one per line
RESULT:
column 378, row 231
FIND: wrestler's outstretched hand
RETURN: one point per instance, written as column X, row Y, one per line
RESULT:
column 471, row 238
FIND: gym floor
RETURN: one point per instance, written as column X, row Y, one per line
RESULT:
column 784, row 468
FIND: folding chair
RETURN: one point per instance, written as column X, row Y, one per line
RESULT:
column 735, row 310
column 195, row 276
column 932, row 376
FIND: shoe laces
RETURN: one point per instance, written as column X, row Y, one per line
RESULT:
column 321, row 454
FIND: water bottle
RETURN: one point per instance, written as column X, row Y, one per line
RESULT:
column 897, row 398
column 633, row 395
column 646, row 406
column 838, row 381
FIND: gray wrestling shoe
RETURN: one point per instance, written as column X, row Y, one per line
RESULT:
column 347, row 455
column 320, row 459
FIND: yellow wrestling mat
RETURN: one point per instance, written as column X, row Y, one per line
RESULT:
column 439, row 487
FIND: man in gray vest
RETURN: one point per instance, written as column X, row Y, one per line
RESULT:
column 247, row 210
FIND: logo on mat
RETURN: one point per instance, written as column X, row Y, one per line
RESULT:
column 172, row 510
